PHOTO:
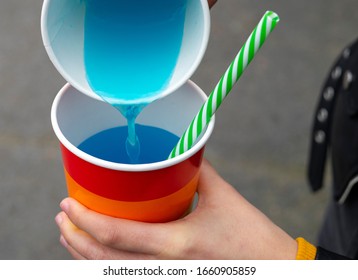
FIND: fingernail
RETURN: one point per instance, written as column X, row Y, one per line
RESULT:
column 59, row 219
column 64, row 205
column 63, row 241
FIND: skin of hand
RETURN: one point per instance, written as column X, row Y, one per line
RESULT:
column 223, row 226
column 211, row 2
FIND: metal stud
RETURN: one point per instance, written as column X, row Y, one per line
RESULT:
column 347, row 79
column 328, row 94
column 336, row 73
column 322, row 115
column 346, row 53
column 320, row 136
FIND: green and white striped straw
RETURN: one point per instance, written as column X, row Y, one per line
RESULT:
column 258, row 36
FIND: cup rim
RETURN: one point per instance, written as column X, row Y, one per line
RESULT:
column 121, row 166
column 87, row 90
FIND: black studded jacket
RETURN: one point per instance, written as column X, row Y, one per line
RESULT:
column 335, row 136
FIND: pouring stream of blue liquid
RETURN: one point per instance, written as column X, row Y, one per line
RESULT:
column 130, row 112
column 131, row 49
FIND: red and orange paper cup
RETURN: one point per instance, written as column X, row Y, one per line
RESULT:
column 154, row 192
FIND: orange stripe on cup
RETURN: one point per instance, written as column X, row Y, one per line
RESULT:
column 162, row 209
column 131, row 186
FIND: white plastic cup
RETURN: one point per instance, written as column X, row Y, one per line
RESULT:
column 62, row 28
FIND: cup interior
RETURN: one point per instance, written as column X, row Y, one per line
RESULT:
column 62, row 27
column 76, row 117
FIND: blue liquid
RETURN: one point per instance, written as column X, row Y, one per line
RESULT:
column 110, row 144
column 131, row 48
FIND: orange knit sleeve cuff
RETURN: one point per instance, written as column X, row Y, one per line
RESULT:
column 305, row 251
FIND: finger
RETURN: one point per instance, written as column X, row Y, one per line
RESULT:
column 79, row 244
column 69, row 248
column 125, row 235
column 82, row 246
column 211, row 2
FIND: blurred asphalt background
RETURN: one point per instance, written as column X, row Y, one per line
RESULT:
column 260, row 143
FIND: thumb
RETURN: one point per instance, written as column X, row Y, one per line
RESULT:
column 211, row 184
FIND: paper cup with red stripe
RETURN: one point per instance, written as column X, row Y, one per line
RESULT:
column 154, row 192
